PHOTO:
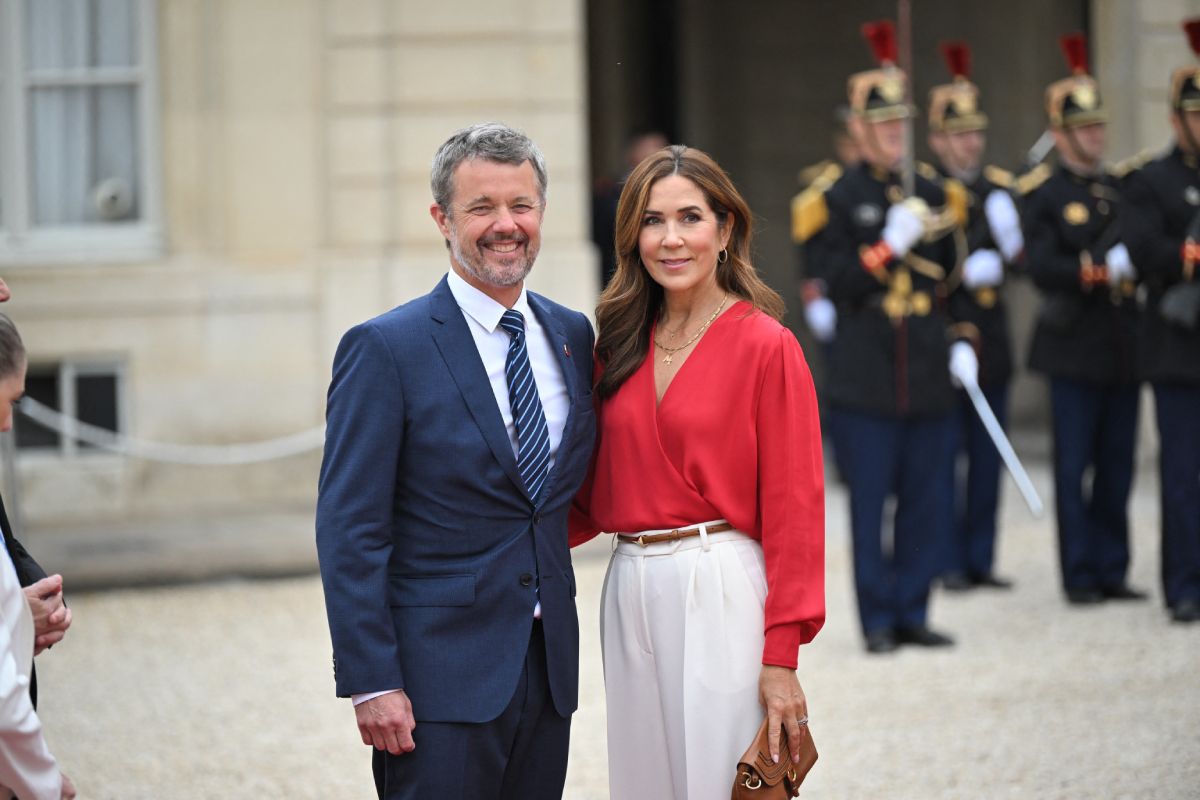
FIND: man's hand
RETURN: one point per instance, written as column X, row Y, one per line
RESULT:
column 51, row 617
column 1005, row 223
column 780, row 694
column 1120, row 266
column 821, row 316
column 386, row 723
column 983, row 268
column 904, row 225
column 5, row 292
column 964, row 365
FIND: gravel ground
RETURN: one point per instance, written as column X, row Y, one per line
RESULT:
column 225, row 689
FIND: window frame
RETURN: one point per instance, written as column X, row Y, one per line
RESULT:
column 22, row 241
column 67, row 370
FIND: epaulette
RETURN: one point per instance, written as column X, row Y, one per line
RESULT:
column 1000, row 177
column 1033, row 179
column 827, row 171
column 957, row 200
column 1122, row 168
column 810, row 213
column 928, row 172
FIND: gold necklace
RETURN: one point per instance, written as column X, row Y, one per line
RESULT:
column 671, row 351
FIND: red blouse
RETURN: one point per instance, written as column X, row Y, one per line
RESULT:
column 736, row 436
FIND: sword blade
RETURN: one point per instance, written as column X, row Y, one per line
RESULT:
column 992, row 426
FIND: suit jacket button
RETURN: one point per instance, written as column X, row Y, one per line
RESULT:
column 526, row 579
column 537, row 517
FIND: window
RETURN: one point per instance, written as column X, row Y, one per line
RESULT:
column 89, row 392
column 79, row 173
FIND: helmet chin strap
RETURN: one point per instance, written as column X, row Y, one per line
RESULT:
column 1077, row 151
column 965, row 174
column 1187, row 132
column 873, row 147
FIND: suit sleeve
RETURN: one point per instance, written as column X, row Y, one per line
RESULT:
column 791, row 502
column 363, row 438
column 28, row 570
column 581, row 528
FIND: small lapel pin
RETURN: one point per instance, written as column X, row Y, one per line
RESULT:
column 566, row 350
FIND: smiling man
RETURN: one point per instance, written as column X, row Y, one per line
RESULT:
column 460, row 426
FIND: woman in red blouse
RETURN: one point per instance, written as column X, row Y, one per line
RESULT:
column 708, row 469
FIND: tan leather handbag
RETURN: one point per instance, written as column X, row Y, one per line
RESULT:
column 760, row 778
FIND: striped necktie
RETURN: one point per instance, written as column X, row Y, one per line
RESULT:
column 533, row 437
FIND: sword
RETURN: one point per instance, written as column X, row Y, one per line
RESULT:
column 904, row 56
column 1040, row 149
column 992, row 426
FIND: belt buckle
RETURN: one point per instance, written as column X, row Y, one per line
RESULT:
column 641, row 540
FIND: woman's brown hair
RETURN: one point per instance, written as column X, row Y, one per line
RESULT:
column 632, row 300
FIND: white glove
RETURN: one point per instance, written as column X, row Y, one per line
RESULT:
column 821, row 316
column 983, row 268
column 1120, row 267
column 964, row 366
column 903, row 227
column 1005, row 223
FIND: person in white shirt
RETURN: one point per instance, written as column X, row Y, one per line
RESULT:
column 27, row 769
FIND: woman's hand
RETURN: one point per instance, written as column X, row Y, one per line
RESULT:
column 780, row 694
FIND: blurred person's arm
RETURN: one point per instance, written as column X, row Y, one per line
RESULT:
column 26, row 766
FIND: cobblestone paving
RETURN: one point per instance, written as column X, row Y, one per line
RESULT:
column 225, row 690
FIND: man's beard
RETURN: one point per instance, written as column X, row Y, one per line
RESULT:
column 512, row 269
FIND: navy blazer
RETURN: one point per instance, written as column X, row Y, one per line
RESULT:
column 431, row 551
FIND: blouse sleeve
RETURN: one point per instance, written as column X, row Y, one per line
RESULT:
column 791, row 503
column 580, row 527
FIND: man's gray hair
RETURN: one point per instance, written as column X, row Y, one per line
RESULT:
column 12, row 349
column 487, row 140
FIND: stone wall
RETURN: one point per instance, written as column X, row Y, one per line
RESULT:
column 296, row 139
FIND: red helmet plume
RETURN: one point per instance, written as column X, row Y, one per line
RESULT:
column 1074, row 47
column 958, row 59
column 881, row 36
column 1192, row 28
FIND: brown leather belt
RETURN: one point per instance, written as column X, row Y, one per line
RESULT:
column 645, row 539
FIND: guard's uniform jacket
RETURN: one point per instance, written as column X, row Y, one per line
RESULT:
column 1086, row 330
column 984, row 307
column 1162, row 203
column 890, row 356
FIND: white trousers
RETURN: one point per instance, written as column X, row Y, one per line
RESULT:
column 681, row 625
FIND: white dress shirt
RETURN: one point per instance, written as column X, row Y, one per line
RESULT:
column 482, row 314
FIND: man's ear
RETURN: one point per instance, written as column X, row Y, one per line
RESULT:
column 441, row 218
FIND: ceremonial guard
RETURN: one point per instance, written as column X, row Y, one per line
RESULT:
column 957, row 136
column 886, row 258
column 1085, row 339
column 819, row 313
column 1162, row 228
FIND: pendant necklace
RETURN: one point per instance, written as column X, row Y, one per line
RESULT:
column 671, row 351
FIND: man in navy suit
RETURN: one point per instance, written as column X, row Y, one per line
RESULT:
column 457, row 434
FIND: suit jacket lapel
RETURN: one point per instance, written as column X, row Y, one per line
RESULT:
column 457, row 347
column 557, row 333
